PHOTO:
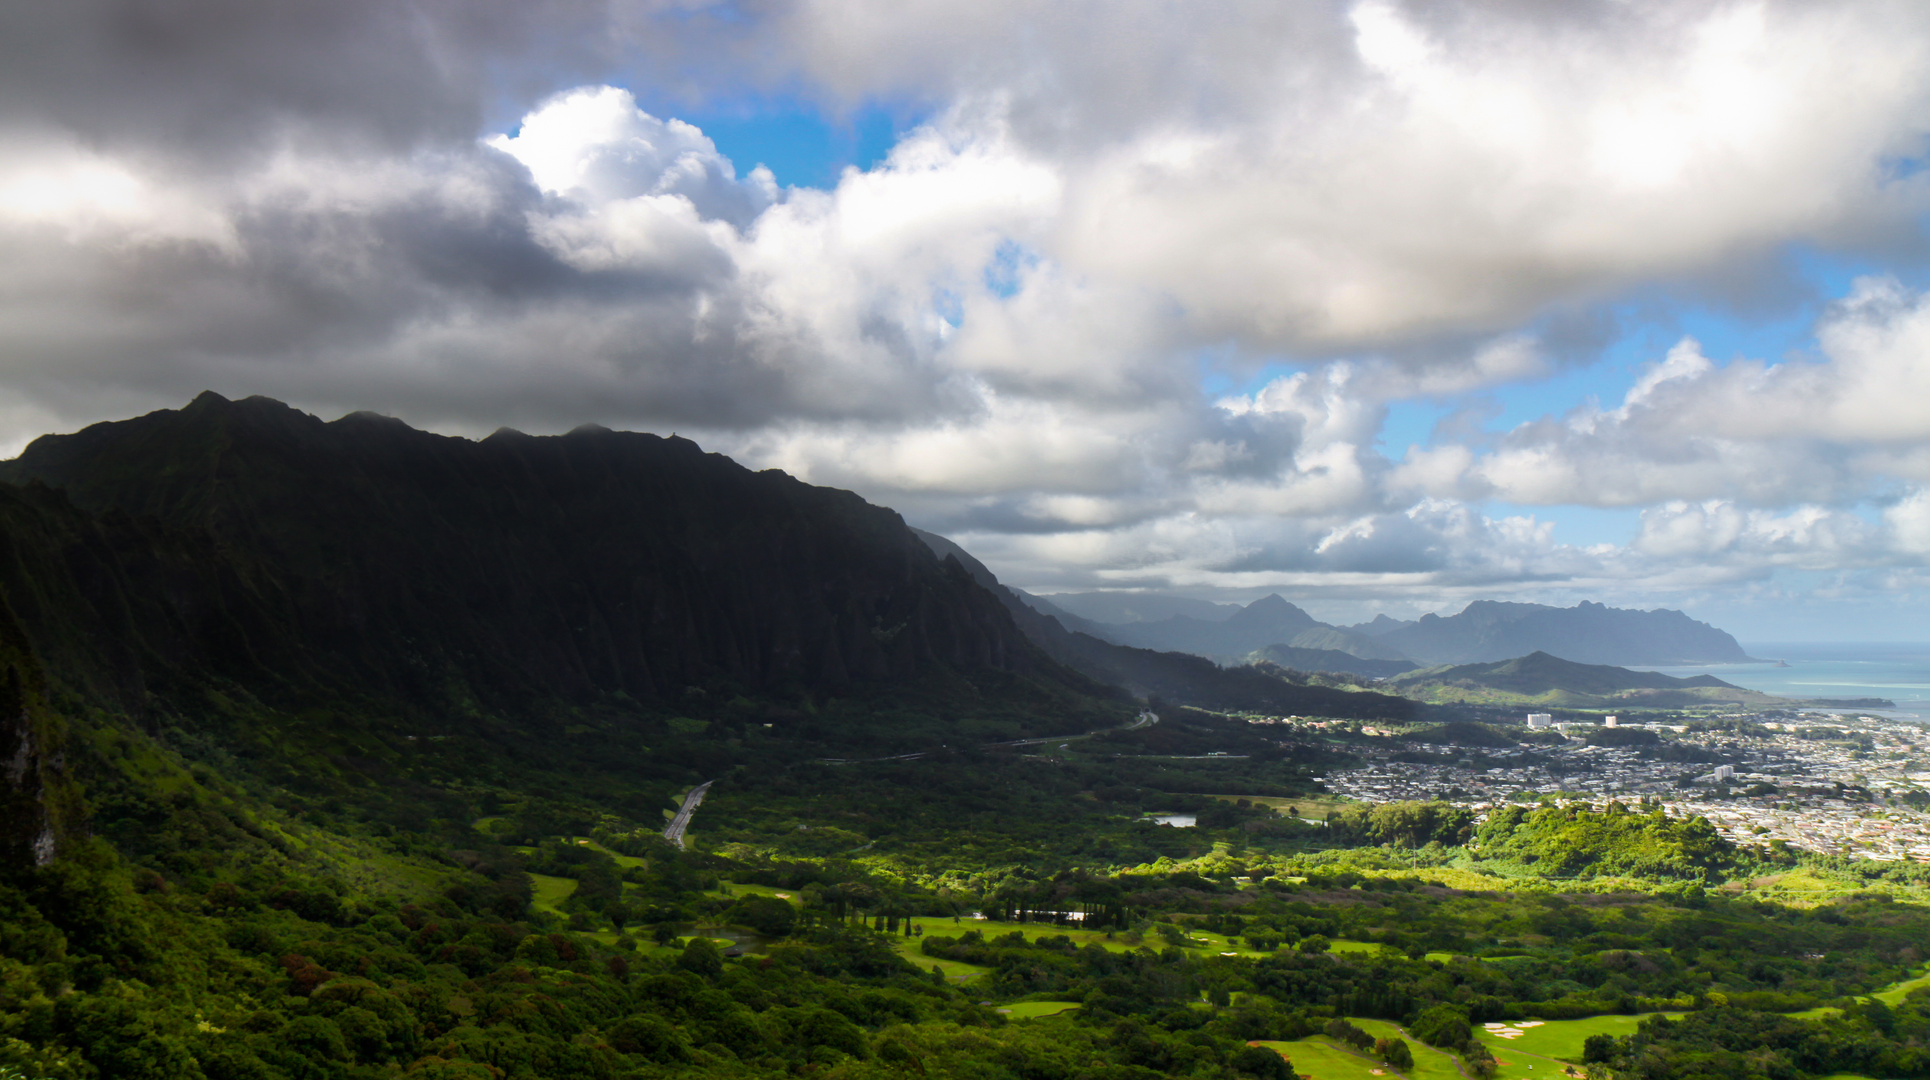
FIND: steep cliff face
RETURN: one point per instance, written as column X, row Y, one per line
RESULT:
column 261, row 544
column 34, row 795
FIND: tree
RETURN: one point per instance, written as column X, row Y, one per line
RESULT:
column 1479, row 1058
column 701, row 958
column 618, row 913
column 1395, row 1052
column 1263, row 1063
column 1598, row 1048
column 1341, row 1031
column 1313, row 944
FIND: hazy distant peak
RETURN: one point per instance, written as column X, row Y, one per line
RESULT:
column 1139, row 607
column 1273, row 611
column 1589, row 633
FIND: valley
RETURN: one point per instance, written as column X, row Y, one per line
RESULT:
column 347, row 752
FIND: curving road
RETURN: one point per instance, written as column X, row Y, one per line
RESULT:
column 674, row 832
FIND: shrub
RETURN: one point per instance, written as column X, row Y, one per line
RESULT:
column 1395, row 1052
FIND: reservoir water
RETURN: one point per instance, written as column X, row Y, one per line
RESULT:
column 1899, row 671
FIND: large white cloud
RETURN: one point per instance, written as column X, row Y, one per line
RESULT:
column 1327, row 177
column 1838, row 427
column 1007, row 327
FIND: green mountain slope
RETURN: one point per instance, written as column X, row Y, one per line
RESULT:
column 1301, row 658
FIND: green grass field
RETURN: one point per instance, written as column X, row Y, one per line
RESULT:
column 1199, row 942
column 1896, row 992
column 1891, row 995
column 1032, row 1010
column 1551, row 1045
column 551, row 892
column 1429, row 1063
column 1320, row 1058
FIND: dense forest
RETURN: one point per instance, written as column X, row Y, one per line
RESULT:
column 272, row 813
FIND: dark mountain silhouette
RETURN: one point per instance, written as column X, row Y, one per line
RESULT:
column 247, row 542
column 1587, row 633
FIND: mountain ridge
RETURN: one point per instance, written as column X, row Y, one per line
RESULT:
column 1483, row 631
column 1588, row 633
column 1182, row 678
column 516, row 567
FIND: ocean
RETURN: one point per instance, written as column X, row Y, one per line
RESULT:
column 1899, row 671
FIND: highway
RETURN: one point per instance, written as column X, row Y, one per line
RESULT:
column 674, row 832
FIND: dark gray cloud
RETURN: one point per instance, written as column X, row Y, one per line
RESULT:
column 214, row 80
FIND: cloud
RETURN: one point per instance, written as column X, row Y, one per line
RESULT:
column 1007, row 327
column 1834, row 428
column 593, row 144
column 1398, row 173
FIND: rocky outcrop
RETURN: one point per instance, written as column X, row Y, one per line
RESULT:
column 29, row 766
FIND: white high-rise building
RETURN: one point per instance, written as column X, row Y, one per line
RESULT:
column 1541, row 719
column 1725, row 772
column 1608, row 721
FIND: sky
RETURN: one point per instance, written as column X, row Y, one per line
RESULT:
column 1384, row 307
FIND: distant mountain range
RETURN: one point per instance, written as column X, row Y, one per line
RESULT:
column 1587, row 633
column 1273, row 629
column 1174, row 675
